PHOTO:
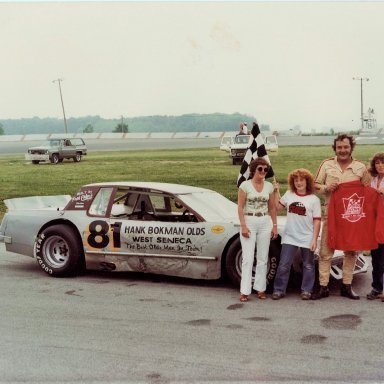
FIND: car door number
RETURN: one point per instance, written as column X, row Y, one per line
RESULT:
column 98, row 234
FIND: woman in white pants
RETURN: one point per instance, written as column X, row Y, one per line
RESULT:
column 257, row 215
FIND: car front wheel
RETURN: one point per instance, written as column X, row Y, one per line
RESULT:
column 77, row 158
column 55, row 158
column 58, row 250
column 234, row 258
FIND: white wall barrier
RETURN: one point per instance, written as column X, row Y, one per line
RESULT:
column 113, row 135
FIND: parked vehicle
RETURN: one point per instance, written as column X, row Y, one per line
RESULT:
column 160, row 228
column 226, row 142
column 271, row 144
column 56, row 150
column 239, row 148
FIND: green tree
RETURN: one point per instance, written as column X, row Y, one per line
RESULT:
column 88, row 128
column 1, row 129
column 121, row 127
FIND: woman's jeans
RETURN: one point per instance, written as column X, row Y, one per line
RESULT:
column 287, row 255
column 260, row 236
column 377, row 256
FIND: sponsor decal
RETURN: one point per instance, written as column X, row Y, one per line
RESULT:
column 100, row 234
column 82, row 196
column 353, row 208
column 217, row 229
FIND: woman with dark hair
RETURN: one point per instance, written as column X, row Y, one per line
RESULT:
column 301, row 232
column 257, row 215
column 377, row 255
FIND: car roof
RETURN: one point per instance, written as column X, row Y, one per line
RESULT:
column 163, row 187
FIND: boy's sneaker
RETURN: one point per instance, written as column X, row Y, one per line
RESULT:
column 277, row 295
column 305, row 295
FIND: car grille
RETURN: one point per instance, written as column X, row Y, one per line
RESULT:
column 37, row 151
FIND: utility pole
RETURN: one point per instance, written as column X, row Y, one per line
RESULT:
column 62, row 103
column 361, row 98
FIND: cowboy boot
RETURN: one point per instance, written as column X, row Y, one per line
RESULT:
column 347, row 291
column 322, row 292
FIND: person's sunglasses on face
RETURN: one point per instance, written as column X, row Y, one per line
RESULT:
column 262, row 169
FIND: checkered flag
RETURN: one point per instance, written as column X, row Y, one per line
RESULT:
column 256, row 148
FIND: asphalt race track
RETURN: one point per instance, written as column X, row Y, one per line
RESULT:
column 20, row 147
column 137, row 328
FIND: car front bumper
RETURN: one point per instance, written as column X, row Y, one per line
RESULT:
column 36, row 157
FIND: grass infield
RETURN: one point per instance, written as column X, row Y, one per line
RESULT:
column 208, row 168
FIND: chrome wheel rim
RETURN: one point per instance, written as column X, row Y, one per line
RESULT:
column 56, row 252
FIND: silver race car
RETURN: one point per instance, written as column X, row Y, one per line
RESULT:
column 160, row 228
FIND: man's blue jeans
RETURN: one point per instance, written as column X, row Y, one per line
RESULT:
column 377, row 268
column 288, row 252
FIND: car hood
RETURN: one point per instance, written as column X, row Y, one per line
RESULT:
column 40, row 147
column 37, row 202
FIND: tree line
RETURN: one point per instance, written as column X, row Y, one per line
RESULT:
column 215, row 122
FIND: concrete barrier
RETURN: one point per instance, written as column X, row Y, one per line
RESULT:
column 11, row 137
column 111, row 135
column 136, row 135
column 186, row 135
column 35, row 137
column 114, row 135
column 85, row 136
column 212, row 135
column 161, row 135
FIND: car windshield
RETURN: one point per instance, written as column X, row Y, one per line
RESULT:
column 270, row 140
column 211, row 205
column 242, row 139
column 53, row 143
column 226, row 140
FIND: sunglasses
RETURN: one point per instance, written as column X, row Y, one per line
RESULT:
column 262, row 169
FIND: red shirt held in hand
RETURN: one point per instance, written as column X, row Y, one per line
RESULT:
column 352, row 215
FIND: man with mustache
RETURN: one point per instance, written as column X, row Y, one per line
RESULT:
column 339, row 169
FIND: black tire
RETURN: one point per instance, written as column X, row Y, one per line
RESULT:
column 35, row 161
column 77, row 158
column 55, row 158
column 234, row 161
column 58, row 250
column 233, row 263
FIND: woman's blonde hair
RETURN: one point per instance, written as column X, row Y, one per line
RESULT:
column 305, row 174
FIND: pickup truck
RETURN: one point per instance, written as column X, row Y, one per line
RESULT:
column 56, row 150
column 238, row 148
column 240, row 144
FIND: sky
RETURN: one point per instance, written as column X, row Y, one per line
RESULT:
column 286, row 63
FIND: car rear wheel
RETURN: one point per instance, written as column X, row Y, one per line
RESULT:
column 58, row 250
column 55, row 158
column 234, row 258
column 77, row 158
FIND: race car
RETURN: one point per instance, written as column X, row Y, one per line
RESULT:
column 160, row 228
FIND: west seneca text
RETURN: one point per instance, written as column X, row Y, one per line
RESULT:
column 179, row 239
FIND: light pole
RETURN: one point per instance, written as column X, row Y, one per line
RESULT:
column 361, row 98
column 62, row 103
